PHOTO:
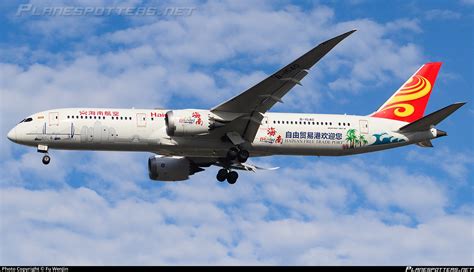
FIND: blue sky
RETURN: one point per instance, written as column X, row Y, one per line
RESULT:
column 405, row 206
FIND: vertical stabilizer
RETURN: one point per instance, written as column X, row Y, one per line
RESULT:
column 409, row 102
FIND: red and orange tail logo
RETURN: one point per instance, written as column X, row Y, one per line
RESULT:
column 409, row 102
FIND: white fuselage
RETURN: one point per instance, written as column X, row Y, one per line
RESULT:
column 145, row 130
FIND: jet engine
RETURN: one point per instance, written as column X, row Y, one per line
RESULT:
column 171, row 168
column 187, row 122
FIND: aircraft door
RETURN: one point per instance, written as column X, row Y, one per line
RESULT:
column 53, row 118
column 364, row 126
column 141, row 119
column 263, row 131
column 265, row 122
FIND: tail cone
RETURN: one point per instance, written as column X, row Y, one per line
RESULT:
column 440, row 133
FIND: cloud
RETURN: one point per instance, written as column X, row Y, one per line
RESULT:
column 372, row 57
column 266, row 218
column 455, row 164
column 467, row 2
column 100, row 208
column 438, row 14
column 168, row 60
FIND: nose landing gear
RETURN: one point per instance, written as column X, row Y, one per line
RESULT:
column 46, row 159
column 44, row 149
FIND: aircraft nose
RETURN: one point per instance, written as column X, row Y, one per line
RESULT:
column 12, row 134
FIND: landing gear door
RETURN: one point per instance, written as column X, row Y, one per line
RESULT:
column 53, row 118
column 141, row 119
column 364, row 126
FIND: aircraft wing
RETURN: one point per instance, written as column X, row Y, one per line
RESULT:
column 206, row 162
column 254, row 102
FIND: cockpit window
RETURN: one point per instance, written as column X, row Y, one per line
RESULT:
column 26, row 120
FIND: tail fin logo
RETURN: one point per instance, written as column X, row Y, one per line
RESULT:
column 416, row 87
column 409, row 102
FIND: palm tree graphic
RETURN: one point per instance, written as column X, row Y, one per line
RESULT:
column 351, row 137
column 362, row 141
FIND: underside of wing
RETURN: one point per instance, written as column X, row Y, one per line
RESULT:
column 206, row 162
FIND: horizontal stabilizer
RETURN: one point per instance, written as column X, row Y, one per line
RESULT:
column 431, row 119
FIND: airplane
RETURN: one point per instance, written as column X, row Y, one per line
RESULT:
column 186, row 141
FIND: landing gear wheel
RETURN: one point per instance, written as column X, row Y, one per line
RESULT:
column 232, row 153
column 243, row 155
column 232, row 177
column 46, row 159
column 222, row 175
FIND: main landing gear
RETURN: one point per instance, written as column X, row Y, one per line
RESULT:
column 241, row 155
column 224, row 174
column 234, row 154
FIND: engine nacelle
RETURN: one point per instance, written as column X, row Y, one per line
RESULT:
column 171, row 168
column 187, row 122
